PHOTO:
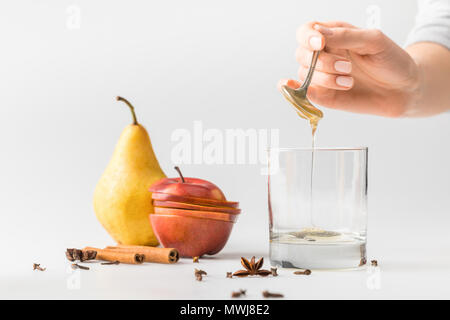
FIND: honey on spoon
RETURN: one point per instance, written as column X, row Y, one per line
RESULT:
column 306, row 110
column 298, row 98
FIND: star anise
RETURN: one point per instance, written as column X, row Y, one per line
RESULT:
column 252, row 268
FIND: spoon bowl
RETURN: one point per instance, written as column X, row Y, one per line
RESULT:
column 299, row 100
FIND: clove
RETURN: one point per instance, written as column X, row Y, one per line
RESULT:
column 374, row 263
column 237, row 294
column 77, row 266
column 199, row 274
column 274, row 272
column 267, row 294
column 229, row 274
column 362, row 262
column 73, row 254
column 306, row 272
column 37, row 266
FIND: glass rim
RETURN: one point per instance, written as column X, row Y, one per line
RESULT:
column 285, row 149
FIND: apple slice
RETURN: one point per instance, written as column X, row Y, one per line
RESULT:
column 197, row 214
column 188, row 206
column 192, row 200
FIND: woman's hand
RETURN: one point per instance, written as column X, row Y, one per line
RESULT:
column 358, row 70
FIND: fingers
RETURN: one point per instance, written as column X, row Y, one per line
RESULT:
column 361, row 41
column 320, row 79
column 310, row 38
column 327, row 62
column 333, row 71
column 288, row 82
column 317, row 95
column 340, row 100
column 335, row 24
column 327, row 80
column 341, row 35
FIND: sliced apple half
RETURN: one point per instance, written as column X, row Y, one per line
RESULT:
column 197, row 214
column 192, row 200
column 189, row 206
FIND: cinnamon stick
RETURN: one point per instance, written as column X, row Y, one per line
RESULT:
column 151, row 254
column 113, row 255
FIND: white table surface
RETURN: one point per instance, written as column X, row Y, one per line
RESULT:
column 414, row 262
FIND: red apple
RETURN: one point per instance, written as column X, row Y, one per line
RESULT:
column 188, row 187
column 189, row 206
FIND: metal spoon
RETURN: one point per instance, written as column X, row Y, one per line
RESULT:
column 298, row 98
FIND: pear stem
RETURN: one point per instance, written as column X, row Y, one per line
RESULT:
column 181, row 175
column 131, row 108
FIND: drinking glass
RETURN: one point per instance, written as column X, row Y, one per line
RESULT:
column 318, row 207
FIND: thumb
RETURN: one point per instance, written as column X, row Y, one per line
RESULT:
column 310, row 38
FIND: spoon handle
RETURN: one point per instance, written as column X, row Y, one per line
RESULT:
column 311, row 70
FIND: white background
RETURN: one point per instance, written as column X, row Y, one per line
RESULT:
column 181, row 61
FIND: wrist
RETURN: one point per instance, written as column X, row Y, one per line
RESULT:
column 415, row 92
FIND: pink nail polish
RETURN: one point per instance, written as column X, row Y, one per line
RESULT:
column 316, row 43
column 343, row 66
column 344, row 81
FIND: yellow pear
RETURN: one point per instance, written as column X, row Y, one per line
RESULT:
column 122, row 201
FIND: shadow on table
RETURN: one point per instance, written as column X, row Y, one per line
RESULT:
column 416, row 266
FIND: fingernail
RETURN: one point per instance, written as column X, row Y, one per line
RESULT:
column 323, row 30
column 293, row 84
column 343, row 66
column 344, row 81
column 316, row 43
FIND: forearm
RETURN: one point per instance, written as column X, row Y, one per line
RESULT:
column 432, row 95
